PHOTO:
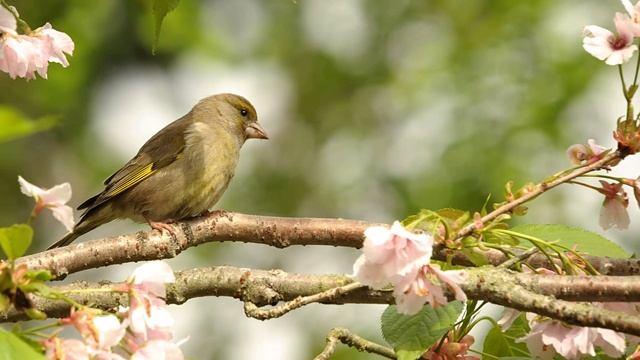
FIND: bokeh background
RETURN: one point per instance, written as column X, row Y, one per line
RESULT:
column 375, row 110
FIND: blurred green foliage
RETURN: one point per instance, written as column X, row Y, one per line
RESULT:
column 428, row 104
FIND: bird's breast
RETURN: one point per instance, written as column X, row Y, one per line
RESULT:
column 210, row 158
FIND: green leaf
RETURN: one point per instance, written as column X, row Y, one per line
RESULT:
column 14, row 348
column 39, row 275
column 35, row 314
column 503, row 344
column 5, row 302
column 569, row 236
column 38, row 347
column 496, row 237
column 14, row 125
column 15, row 240
column 37, row 287
column 412, row 335
column 476, row 258
column 160, row 9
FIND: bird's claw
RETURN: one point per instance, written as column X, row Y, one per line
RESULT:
column 161, row 226
column 216, row 212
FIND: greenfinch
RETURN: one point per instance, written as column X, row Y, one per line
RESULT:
column 181, row 172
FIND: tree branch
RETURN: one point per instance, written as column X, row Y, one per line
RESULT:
column 274, row 231
column 541, row 294
column 269, row 230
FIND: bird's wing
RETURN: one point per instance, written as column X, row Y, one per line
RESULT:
column 161, row 150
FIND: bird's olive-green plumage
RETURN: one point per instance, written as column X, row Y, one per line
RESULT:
column 182, row 171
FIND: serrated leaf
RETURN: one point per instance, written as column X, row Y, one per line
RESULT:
column 15, row 240
column 586, row 241
column 14, row 348
column 14, row 125
column 503, row 344
column 160, row 9
column 412, row 335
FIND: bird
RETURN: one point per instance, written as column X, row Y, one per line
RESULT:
column 180, row 172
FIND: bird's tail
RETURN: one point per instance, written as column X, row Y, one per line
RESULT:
column 89, row 221
column 66, row 240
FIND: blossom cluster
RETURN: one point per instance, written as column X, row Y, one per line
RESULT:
column 402, row 258
column 142, row 331
column 24, row 55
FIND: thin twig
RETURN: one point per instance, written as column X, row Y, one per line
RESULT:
column 252, row 310
column 348, row 338
column 516, row 259
column 541, row 188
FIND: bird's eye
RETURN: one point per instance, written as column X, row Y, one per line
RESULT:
column 244, row 112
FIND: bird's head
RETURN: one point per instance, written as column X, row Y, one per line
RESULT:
column 235, row 113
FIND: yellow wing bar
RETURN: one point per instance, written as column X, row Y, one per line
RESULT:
column 130, row 180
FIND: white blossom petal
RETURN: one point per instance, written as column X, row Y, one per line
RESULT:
column 155, row 350
column 153, row 276
column 64, row 214
column 8, row 23
column 59, row 194
column 29, row 189
column 613, row 214
column 110, row 331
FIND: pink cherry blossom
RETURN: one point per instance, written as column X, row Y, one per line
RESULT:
column 390, row 254
column 100, row 332
column 150, row 324
column 401, row 258
column 53, row 199
column 508, row 317
column 152, row 276
column 109, row 331
column 549, row 337
column 596, row 149
column 24, row 55
column 65, row 349
column 415, row 290
column 8, row 22
column 614, row 208
column 158, row 350
column 634, row 13
column 149, row 321
column 614, row 49
column 580, row 153
column 61, row 43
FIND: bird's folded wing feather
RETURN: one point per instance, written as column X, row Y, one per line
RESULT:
column 161, row 150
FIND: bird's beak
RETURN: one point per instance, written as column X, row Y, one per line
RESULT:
column 255, row 131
